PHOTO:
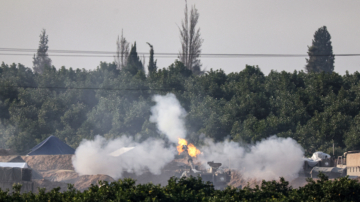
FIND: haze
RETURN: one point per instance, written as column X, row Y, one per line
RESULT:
column 231, row 26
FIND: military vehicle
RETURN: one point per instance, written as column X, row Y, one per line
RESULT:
column 318, row 160
column 216, row 175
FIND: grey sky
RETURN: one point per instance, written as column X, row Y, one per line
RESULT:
column 227, row 26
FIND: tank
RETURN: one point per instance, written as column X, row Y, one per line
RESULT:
column 215, row 174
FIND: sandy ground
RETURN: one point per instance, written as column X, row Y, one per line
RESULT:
column 49, row 162
column 51, row 171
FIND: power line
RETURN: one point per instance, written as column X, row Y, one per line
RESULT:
column 82, row 53
column 52, row 55
column 24, row 54
column 88, row 88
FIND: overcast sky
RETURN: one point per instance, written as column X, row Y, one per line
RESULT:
column 227, row 26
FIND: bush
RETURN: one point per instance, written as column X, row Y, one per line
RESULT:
column 194, row 189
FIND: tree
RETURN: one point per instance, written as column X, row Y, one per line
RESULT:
column 41, row 60
column 321, row 57
column 152, row 65
column 122, row 52
column 191, row 41
column 134, row 63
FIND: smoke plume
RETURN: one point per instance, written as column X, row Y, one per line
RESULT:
column 97, row 156
column 169, row 116
column 268, row 159
column 113, row 157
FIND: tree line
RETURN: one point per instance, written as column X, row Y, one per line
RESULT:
column 194, row 189
column 316, row 109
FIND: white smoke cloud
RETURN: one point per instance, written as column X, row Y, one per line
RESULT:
column 169, row 116
column 93, row 156
column 268, row 159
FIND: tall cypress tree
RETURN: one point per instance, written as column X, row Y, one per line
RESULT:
column 191, row 41
column 321, row 57
column 152, row 64
column 122, row 52
column 41, row 59
column 133, row 62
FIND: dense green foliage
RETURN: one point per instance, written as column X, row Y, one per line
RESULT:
column 193, row 189
column 134, row 65
column 321, row 57
column 316, row 109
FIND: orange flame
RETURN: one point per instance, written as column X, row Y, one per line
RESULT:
column 181, row 143
column 192, row 150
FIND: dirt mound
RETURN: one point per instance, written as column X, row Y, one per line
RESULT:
column 85, row 181
column 49, row 162
column 67, row 176
column 11, row 158
column 36, row 174
column 71, row 177
column 57, row 171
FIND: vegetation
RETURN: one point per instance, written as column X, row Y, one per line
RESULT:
column 152, row 64
column 134, row 65
column 316, row 109
column 122, row 52
column 193, row 189
column 191, row 41
column 321, row 57
column 41, row 59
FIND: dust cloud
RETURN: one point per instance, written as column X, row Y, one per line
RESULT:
column 268, row 159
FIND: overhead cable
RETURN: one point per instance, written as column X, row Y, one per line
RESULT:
column 82, row 53
column 88, row 88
